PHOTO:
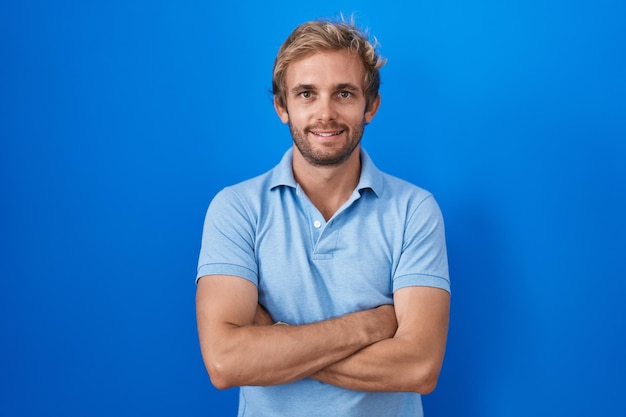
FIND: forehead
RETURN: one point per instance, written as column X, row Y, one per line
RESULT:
column 327, row 68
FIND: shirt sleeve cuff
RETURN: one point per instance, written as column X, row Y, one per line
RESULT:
column 421, row 281
column 227, row 269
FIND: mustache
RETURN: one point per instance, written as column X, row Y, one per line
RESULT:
column 336, row 127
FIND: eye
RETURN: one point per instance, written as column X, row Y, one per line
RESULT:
column 345, row 94
column 306, row 94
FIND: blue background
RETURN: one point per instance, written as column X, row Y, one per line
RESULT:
column 119, row 120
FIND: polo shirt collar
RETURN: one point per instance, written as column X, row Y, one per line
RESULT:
column 282, row 174
column 371, row 177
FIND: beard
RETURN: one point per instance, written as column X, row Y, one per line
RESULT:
column 331, row 154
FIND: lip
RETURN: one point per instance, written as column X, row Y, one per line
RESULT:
column 326, row 134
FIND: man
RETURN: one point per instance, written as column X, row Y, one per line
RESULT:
column 323, row 284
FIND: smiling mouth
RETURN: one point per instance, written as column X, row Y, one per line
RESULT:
column 327, row 134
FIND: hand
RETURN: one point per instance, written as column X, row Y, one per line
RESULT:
column 262, row 317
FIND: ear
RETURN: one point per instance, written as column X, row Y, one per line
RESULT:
column 281, row 111
column 372, row 109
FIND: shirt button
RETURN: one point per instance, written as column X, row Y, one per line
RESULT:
column 317, row 224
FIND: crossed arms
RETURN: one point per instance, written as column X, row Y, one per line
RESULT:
column 387, row 348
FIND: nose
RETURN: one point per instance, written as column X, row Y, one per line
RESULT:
column 326, row 110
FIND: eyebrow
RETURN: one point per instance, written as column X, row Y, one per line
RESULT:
column 348, row 86
column 342, row 86
column 303, row 87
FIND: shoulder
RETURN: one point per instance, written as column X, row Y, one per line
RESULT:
column 390, row 189
column 397, row 196
column 405, row 193
column 255, row 190
column 247, row 192
column 403, row 187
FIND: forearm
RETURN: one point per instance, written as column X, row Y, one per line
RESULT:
column 411, row 359
column 269, row 355
column 391, row 365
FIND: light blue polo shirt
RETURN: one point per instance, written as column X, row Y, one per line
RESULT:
column 387, row 236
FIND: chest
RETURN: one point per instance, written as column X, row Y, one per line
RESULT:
column 311, row 269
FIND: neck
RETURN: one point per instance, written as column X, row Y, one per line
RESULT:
column 328, row 187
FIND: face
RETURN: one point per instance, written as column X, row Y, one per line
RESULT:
column 325, row 110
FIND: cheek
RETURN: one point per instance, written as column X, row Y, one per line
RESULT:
column 359, row 118
column 297, row 117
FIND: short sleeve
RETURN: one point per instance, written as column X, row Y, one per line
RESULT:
column 228, row 239
column 423, row 260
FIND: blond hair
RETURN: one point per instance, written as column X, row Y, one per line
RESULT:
column 326, row 35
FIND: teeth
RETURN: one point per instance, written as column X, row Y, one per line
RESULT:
column 326, row 135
